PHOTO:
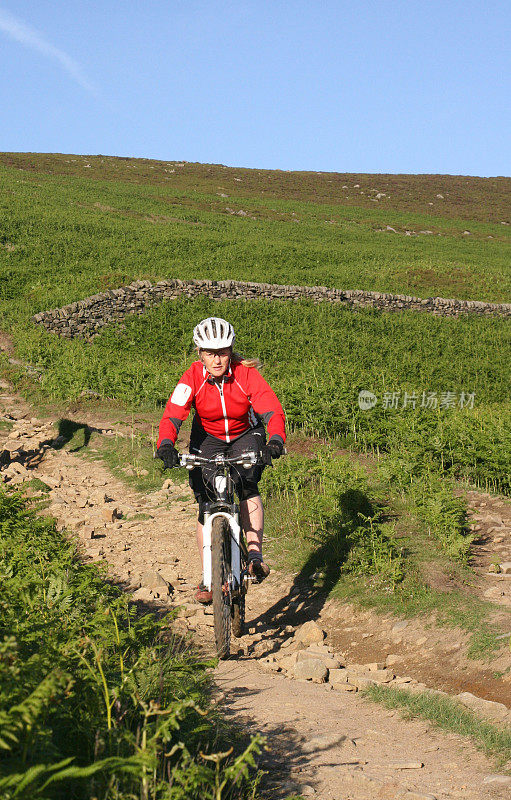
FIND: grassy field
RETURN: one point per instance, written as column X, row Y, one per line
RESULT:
column 318, row 376
column 69, row 230
column 463, row 197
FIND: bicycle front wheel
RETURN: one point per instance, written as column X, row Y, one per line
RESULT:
column 220, row 588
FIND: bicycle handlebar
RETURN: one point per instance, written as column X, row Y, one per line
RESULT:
column 246, row 460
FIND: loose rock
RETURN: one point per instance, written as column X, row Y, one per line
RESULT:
column 324, row 742
column 153, row 580
column 498, row 780
column 487, row 708
column 310, row 670
column 309, row 633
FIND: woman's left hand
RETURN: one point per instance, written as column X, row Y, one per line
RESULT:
column 273, row 449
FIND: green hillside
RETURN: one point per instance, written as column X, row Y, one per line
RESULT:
column 72, row 225
column 76, row 225
column 464, row 197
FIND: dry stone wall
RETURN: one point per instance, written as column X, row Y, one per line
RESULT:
column 85, row 318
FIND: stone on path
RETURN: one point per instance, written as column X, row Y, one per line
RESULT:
column 168, row 573
column 332, row 663
column 109, row 514
column 487, row 708
column 399, row 627
column 336, row 676
column 143, row 594
column 386, row 789
column 183, row 612
column 263, row 647
column 498, row 780
column 269, row 664
column 153, row 580
column 381, row 675
column 325, row 658
column 324, row 742
column 76, row 523
column 288, row 662
column 361, row 681
column 309, row 633
column 311, row 669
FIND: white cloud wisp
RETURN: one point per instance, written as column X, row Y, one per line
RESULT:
column 29, row 37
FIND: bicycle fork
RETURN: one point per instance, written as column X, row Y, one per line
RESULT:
column 235, row 547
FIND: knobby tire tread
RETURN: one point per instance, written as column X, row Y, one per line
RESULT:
column 220, row 532
column 238, row 616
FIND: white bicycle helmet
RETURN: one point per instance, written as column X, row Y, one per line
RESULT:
column 213, row 333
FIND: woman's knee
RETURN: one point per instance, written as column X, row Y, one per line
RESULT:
column 201, row 502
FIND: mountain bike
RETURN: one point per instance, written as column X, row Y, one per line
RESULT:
column 225, row 553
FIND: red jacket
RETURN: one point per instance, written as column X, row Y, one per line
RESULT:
column 225, row 409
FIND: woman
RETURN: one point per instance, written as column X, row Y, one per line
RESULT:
column 231, row 401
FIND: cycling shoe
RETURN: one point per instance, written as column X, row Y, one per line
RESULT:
column 258, row 569
column 203, row 595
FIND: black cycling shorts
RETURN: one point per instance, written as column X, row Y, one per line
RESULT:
column 245, row 480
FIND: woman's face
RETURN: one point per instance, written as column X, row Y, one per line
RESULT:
column 216, row 361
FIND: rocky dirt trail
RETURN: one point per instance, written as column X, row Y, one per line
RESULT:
column 295, row 676
column 491, row 552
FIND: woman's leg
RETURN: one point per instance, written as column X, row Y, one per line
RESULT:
column 251, row 506
column 252, row 520
column 199, row 542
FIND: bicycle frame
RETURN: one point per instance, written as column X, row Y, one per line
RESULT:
column 222, row 506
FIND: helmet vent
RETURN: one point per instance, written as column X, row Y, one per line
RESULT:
column 214, row 333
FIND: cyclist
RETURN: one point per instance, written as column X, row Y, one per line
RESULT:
column 231, row 400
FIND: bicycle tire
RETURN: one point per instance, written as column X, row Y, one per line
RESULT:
column 220, row 569
column 238, row 616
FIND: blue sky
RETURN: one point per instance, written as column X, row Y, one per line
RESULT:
column 345, row 86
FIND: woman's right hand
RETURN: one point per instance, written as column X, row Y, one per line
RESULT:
column 169, row 455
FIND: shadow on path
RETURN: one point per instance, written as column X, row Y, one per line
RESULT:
column 67, row 430
column 312, row 586
column 287, row 760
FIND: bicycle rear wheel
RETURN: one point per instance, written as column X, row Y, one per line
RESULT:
column 220, row 573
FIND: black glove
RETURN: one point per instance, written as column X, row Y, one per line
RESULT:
column 273, row 449
column 169, row 455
